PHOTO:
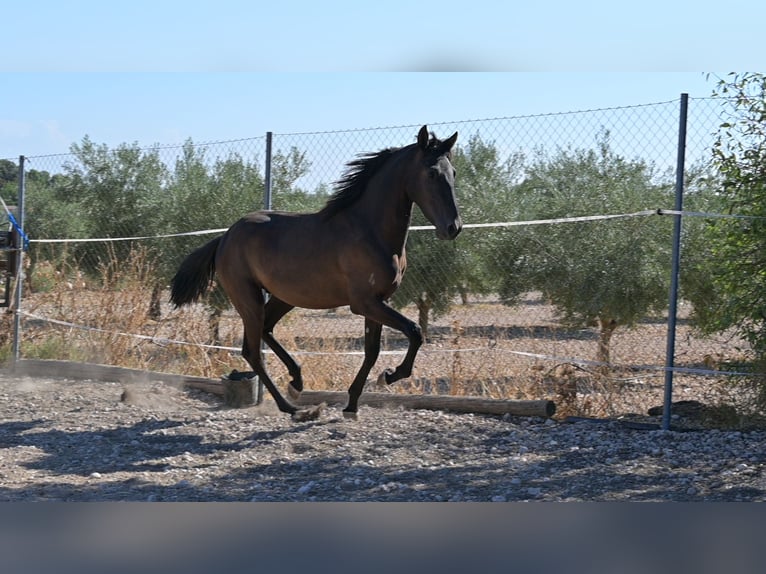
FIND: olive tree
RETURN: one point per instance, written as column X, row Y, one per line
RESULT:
column 607, row 273
column 730, row 291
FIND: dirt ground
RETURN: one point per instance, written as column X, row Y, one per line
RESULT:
column 90, row 440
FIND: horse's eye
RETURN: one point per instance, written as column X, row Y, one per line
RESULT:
column 432, row 174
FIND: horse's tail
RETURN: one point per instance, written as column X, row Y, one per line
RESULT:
column 194, row 275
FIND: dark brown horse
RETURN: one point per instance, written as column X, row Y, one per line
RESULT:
column 349, row 253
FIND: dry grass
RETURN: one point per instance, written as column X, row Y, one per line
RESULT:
column 481, row 348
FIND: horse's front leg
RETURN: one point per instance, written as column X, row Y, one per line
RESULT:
column 380, row 312
column 372, row 331
column 415, row 338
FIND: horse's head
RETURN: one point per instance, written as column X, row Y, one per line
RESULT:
column 434, row 187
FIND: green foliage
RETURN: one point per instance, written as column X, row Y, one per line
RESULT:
column 485, row 194
column 609, row 273
column 9, row 181
column 203, row 194
column 286, row 169
column 117, row 190
column 107, row 193
column 701, row 194
column 734, row 293
column 130, row 192
column 52, row 213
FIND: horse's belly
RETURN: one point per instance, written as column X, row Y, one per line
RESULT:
column 309, row 295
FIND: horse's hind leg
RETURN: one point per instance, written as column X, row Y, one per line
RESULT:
column 251, row 351
column 252, row 313
column 275, row 310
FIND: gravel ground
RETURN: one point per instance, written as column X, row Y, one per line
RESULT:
column 98, row 441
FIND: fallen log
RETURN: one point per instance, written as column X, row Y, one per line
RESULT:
column 86, row 371
column 481, row 405
column 459, row 404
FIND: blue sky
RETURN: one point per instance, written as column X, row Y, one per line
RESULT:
column 46, row 112
column 161, row 72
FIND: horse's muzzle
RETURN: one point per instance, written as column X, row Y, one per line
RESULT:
column 452, row 231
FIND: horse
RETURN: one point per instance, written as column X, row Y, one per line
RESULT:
column 349, row 253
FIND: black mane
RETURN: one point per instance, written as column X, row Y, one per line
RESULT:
column 358, row 174
column 354, row 181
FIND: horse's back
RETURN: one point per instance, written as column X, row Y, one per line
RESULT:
column 273, row 233
column 291, row 255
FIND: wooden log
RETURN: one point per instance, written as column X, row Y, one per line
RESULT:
column 480, row 405
column 84, row 371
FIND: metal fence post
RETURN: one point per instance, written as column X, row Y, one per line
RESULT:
column 675, row 264
column 19, row 264
column 267, row 206
column 267, row 177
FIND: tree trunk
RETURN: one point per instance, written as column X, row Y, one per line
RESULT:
column 29, row 275
column 424, row 306
column 464, row 295
column 155, row 305
column 606, row 330
column 215, row 325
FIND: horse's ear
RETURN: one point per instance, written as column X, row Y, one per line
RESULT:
column 423, row 138
column 448, row 143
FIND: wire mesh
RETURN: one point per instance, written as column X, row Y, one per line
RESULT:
column 574, row 309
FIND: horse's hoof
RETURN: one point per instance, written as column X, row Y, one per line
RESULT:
column 293, row 393
column 382, row 382
column 351, row 416
column 309, row 413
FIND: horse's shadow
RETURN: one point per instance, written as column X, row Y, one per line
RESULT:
column 143, row 446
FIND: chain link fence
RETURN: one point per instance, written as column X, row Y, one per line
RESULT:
column 557, row 287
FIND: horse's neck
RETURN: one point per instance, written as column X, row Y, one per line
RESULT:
column 386, row 209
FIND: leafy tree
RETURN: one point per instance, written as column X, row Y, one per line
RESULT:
column 604, row 273
column 50, row 213
column 701, row 194
column 117, row 193
column 9, row 181
column 485, row 194
column 735, row 289
column 286, row 170
column 203, row 196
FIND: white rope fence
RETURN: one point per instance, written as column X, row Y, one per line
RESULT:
column 643, row 213
column 162, row 341
column 572, row 360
